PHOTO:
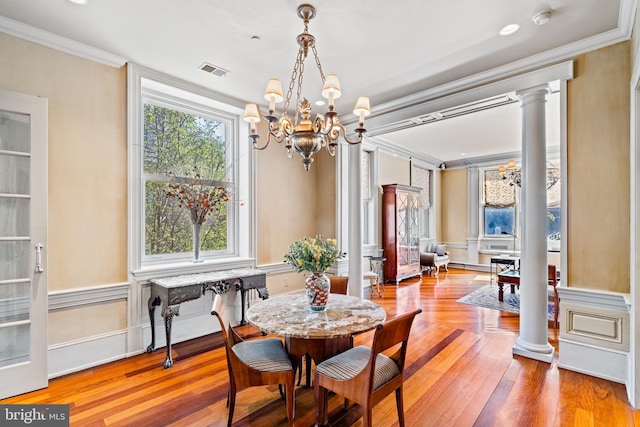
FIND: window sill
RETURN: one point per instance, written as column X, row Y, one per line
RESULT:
column 178, row 268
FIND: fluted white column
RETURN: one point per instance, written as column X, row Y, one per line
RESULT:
column 355, row 220
column 533, row 340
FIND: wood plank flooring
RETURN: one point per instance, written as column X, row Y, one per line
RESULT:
column 460, row 372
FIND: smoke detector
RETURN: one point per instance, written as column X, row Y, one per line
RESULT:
column 542, row 14
column 214, row 69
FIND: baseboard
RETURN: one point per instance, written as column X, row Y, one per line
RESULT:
column 468, row 266
column 598, row 362
column 73, row 356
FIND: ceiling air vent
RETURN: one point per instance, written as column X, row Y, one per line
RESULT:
column 213, row 69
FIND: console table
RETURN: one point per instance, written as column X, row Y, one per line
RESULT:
column 174, row 290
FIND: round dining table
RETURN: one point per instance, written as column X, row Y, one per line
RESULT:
column 318, row 334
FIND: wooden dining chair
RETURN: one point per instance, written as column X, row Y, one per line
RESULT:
column 552, row 291
column 254, row 363
column 365, row 375
column 338, row 285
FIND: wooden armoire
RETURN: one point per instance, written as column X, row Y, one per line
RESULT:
column 400, row 232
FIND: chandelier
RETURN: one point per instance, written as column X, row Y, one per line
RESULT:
column 514, row 176
column 302, row 134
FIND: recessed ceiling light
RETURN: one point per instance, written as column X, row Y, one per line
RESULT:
column 80, row 2
column 509, row 29
column 463, row 154
column 319, row 103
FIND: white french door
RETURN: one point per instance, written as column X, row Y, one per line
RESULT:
column 23, row 244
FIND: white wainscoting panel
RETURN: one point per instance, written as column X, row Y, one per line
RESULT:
column 595, row 333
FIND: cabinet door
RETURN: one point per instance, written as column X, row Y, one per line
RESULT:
column 414, row 230
column 403, row 230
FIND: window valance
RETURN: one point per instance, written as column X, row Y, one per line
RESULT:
column 497, row 191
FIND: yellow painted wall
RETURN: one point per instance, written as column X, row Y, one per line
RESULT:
column 453, row 210
column 87, row 224
column 292, row 203
column 87, row 176
column 598, row 170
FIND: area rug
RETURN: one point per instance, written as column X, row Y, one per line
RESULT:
column 487, row 297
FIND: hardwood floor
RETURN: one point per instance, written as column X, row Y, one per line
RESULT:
column 460, row 371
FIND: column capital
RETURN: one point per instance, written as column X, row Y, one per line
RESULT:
column 535, row 90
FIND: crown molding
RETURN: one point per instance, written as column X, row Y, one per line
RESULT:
column 54, row 41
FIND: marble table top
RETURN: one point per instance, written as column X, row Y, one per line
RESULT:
column 211, row 276
column 289, row 315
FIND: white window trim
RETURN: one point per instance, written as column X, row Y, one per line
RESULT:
column 245, row 234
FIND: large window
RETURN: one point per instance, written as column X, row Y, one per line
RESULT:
column 498, row 221
column 179, row 143
column 501, row 204
column 499, row 207
column 178, row 130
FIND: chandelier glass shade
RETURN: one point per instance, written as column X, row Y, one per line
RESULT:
column 513, row 175
column 303, row 134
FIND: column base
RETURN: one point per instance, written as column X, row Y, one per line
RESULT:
column 543, row 353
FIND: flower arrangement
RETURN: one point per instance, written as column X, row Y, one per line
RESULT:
column 197, row 197
column 313, row 254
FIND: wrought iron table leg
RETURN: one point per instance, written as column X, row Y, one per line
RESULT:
column 168, row 314
column 153, row 302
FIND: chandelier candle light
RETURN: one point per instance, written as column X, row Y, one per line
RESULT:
column 304, row 135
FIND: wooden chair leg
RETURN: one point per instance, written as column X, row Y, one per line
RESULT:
column 367, row 413
column 321, row 395
column 291, row 402
column 400, row 406
column 232, row 405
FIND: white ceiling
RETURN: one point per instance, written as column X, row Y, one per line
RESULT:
column 386, row 50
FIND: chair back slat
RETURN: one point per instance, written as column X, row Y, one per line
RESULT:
column 218, row 310
column 393, row 332
column 553, row 275
column 339, row 284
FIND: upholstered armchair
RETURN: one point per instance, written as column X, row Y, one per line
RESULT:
column 434, row 257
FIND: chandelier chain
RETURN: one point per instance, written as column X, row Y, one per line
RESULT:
column 315, row 55
column 292, row 82
column 299, row 91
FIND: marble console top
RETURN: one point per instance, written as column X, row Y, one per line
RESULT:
column 208, row 277
column 290, row 316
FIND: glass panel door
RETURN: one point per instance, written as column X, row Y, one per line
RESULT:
column 23, row 292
